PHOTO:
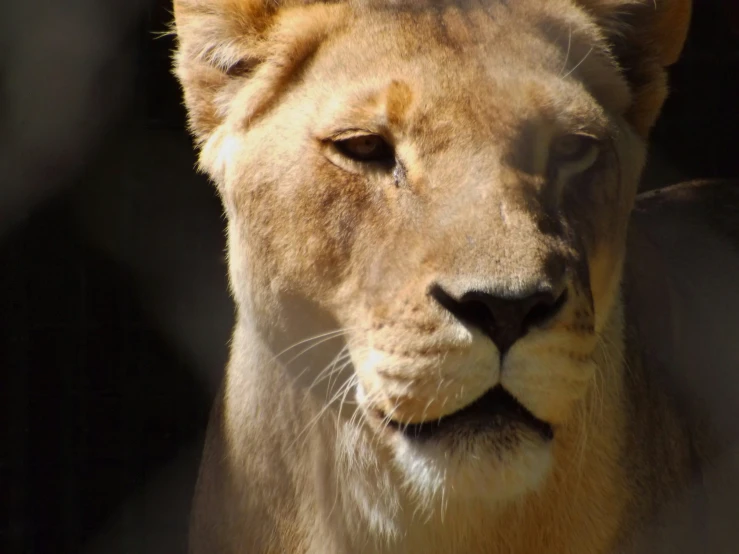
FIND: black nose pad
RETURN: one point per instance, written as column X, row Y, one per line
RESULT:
column 504, row 319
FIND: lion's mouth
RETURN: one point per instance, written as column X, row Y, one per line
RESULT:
column 496, row 410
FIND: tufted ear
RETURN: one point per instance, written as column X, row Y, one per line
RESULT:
column 225, row 44
column 646, row 36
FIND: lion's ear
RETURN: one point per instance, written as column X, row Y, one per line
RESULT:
column 217, row 41
column 646, row 36
column 224, row 43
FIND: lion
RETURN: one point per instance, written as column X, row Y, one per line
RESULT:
column 442, row 341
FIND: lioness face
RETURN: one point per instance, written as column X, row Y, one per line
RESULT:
column 450, row 188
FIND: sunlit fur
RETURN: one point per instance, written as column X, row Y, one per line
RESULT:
column 331, row 264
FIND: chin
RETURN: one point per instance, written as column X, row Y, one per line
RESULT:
column 493, row 451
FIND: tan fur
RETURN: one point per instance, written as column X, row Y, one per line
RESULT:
column 474, row 97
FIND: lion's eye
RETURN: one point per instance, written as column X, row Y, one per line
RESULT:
column 366, row 148
column 574, row 149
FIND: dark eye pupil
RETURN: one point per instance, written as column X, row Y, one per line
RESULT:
column 366, row 148
column 366, row 145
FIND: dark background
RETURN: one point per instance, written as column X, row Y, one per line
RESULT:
column 114, row 315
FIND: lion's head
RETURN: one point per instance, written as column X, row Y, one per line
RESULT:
column 444, row 184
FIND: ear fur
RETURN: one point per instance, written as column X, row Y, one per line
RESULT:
column 222, row 44
column 647, row 36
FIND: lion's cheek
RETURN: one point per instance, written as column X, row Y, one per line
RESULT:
column 605, row 265
column 303, row 237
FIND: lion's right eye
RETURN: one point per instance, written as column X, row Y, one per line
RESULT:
column 366, row 148
column 573, row 154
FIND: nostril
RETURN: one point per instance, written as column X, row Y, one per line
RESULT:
column 542, row 308
column 445, row 299
column 468, row 308
column 505, row 319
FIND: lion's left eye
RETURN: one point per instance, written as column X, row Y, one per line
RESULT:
column 581, row 150
column 366, row 148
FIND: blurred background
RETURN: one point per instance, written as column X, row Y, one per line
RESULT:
column 114, row 311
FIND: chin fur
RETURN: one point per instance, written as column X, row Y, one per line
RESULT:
column 467, row 468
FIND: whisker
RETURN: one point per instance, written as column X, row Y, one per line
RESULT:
column 314, row 420
column 330, row 335
column 312, row 346
column 578, row 63
column 331, row 368
column 567, row 55
column 345, row 361
column 342, row 400
column 299, row 375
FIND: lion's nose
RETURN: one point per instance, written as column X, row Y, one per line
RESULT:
column 505, row 319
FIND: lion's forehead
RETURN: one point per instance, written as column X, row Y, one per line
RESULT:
column 467, row 72
column 452, row 44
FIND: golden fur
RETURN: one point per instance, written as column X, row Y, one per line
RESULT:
column 338, row 338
